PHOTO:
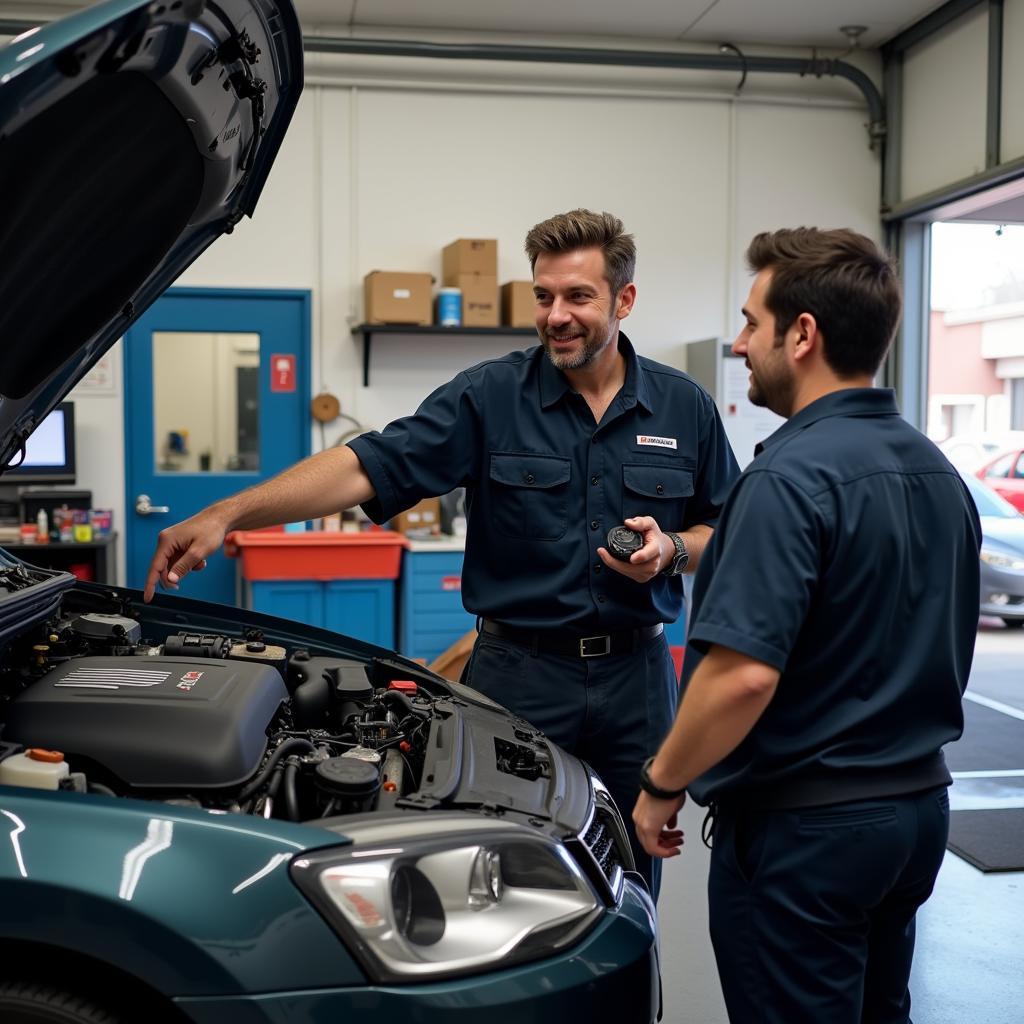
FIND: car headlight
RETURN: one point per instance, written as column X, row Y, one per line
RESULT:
column 434, row 906
column 1001, row 561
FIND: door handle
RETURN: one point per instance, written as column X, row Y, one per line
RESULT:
column 144, row 508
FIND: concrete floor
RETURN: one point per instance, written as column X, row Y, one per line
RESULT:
column 970, row 939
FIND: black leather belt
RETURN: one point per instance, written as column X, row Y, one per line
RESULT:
column 556, row 641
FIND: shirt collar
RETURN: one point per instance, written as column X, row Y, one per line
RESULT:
column 554, row 384
column 846, row 402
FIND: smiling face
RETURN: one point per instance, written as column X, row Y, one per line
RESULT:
column 576, row 314
column 772, row 380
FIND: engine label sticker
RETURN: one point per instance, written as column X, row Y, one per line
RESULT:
column 188, row 680
column 656, row 442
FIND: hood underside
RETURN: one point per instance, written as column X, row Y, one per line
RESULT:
column 131, row 136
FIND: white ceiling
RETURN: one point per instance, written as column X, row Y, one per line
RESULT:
column 777, row 22
column 770, row 22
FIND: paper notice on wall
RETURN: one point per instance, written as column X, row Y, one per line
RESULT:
column 746, row 424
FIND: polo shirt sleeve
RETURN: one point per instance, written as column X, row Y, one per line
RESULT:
column 764, row 570
column 717, row 469
column 423, row 455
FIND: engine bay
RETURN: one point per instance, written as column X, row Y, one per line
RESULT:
column 253, row 723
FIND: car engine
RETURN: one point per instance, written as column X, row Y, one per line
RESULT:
column 218, row 721
column 253, row 723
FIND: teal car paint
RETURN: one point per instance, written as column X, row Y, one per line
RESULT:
column 187, row 901
column 209, row 814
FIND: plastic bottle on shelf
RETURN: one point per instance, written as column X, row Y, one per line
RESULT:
column 42, row 527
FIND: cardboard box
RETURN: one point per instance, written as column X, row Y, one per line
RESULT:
column 518, row 304
column 479, row 300
column 422, row 520
column 470, row 256
column 396, row 297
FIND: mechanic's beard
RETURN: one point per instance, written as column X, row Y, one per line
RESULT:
column 772, row 389
column 588, row 351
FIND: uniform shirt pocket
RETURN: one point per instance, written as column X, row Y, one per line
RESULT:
column 530, row 495
column 656, row 491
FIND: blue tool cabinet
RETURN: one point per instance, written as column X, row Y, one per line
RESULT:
column 431, row 616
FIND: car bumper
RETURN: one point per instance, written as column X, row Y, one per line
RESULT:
column 1002, row 592
column 612, row 974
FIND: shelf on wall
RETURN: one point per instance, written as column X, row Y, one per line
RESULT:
column 367, row 331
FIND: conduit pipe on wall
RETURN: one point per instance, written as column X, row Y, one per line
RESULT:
column 814, row 67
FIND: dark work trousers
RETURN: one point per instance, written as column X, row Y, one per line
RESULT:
column 612, row 711
column 812, row 911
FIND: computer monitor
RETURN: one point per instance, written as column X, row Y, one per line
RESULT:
column 49, row 452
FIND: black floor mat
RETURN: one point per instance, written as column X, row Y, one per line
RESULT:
column 990, row 840
column 991, row 741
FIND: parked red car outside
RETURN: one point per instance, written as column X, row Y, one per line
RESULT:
column 1005, row 475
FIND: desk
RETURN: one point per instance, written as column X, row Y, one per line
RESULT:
column 98, row 554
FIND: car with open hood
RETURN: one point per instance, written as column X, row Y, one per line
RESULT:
column 209, row 814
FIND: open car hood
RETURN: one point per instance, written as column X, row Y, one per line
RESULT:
column 132, row 135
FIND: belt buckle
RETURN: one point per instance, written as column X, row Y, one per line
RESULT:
column 586, row 653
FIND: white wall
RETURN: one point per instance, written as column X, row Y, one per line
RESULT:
column 382, row 176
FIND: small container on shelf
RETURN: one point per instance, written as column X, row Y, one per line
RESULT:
column 102, row 521
column 449, row 307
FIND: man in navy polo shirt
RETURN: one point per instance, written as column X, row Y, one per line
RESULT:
column 835, row 613
column 555, row 446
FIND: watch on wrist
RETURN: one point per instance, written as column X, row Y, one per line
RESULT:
column 677, row 564
column 649, row 786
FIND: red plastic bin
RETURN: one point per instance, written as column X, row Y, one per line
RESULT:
column 371, row 555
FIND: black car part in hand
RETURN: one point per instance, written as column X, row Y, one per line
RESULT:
column 622, row 542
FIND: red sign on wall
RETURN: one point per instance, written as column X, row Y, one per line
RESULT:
column 451, row 582
column 282, row 373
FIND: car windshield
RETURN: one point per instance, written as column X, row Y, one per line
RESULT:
column 989, row 503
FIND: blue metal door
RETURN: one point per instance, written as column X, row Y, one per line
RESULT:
column 205, row 371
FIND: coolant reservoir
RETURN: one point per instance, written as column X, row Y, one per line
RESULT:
column 40, row 769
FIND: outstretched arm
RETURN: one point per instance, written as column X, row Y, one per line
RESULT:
column 330, row 481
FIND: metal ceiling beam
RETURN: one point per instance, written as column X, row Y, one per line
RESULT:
column 928, row 26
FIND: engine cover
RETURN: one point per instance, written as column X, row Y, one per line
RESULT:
column 172, row 723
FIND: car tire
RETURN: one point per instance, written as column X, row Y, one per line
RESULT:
column 27, row 1002
column 1014, row 623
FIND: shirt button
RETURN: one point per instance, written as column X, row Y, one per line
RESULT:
column 660, row 489
column 594, row 524
column 600, row 598
column 593, row 439
column 529, row 478
column 595, row 479
column 597, row 568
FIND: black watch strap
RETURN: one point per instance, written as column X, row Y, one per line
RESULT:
column 648, row 786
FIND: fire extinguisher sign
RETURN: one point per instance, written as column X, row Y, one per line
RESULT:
column 282, row 373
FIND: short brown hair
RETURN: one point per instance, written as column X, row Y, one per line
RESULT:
column 583, row 229
column 840, row 277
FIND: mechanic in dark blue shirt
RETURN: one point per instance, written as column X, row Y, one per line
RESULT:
column 555, row 446
column 830, row 643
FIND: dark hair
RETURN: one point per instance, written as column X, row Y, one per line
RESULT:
column 582, row 229
column 840, row 277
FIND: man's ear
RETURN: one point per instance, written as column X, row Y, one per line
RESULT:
column 624, row 306
column 806, row 335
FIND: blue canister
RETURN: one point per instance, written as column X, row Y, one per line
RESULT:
column 449, row 307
